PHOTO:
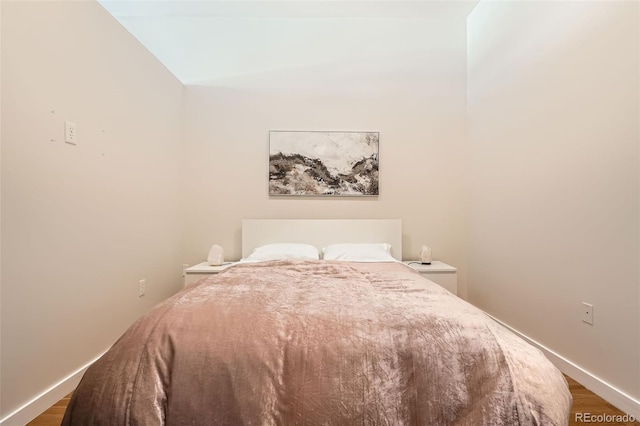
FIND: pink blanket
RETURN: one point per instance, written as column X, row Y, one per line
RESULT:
column 319, row 343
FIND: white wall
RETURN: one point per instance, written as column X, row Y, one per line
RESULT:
column 414, row 96
column 81, row 224
column 553, row 210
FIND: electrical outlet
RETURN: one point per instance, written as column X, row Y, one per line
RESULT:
column 70, row 132
column 141, row 287
column 587, row 313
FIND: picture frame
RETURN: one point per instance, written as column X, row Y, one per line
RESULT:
column 323, row 163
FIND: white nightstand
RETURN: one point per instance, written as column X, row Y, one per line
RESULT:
column 438, row 272
column 201, row 270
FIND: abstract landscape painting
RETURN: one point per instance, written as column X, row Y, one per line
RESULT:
column 323, row 163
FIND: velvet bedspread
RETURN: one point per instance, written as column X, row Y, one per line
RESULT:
column 319, row 343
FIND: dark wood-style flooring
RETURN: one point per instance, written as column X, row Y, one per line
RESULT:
column 584, row 401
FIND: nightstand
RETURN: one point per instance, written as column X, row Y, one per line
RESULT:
column 438, row 272
column 201, row 270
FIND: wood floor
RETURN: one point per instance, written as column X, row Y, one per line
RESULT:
column 584, row 401
column 53, row 416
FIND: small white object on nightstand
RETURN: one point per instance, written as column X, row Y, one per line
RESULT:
column 425, row 255
column 216, row 255
column 438, row 272
column 201, row 270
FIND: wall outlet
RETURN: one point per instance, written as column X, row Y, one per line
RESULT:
column 141, row 287
column 587, row 313
column 70, row 132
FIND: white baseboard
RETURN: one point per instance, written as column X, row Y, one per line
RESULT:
column 625, row 403
column 46, row 399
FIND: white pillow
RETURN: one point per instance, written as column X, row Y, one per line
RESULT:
column 283, row 251
column 380, row 252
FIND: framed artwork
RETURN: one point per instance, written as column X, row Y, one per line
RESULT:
column 328, row 163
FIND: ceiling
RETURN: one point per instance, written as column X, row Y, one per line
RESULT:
column 203, row 41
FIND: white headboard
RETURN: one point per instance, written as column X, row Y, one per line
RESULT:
column 321, row 232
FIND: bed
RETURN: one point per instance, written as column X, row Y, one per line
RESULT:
column 284, row 338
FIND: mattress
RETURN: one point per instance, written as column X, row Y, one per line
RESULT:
column 319, row 343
